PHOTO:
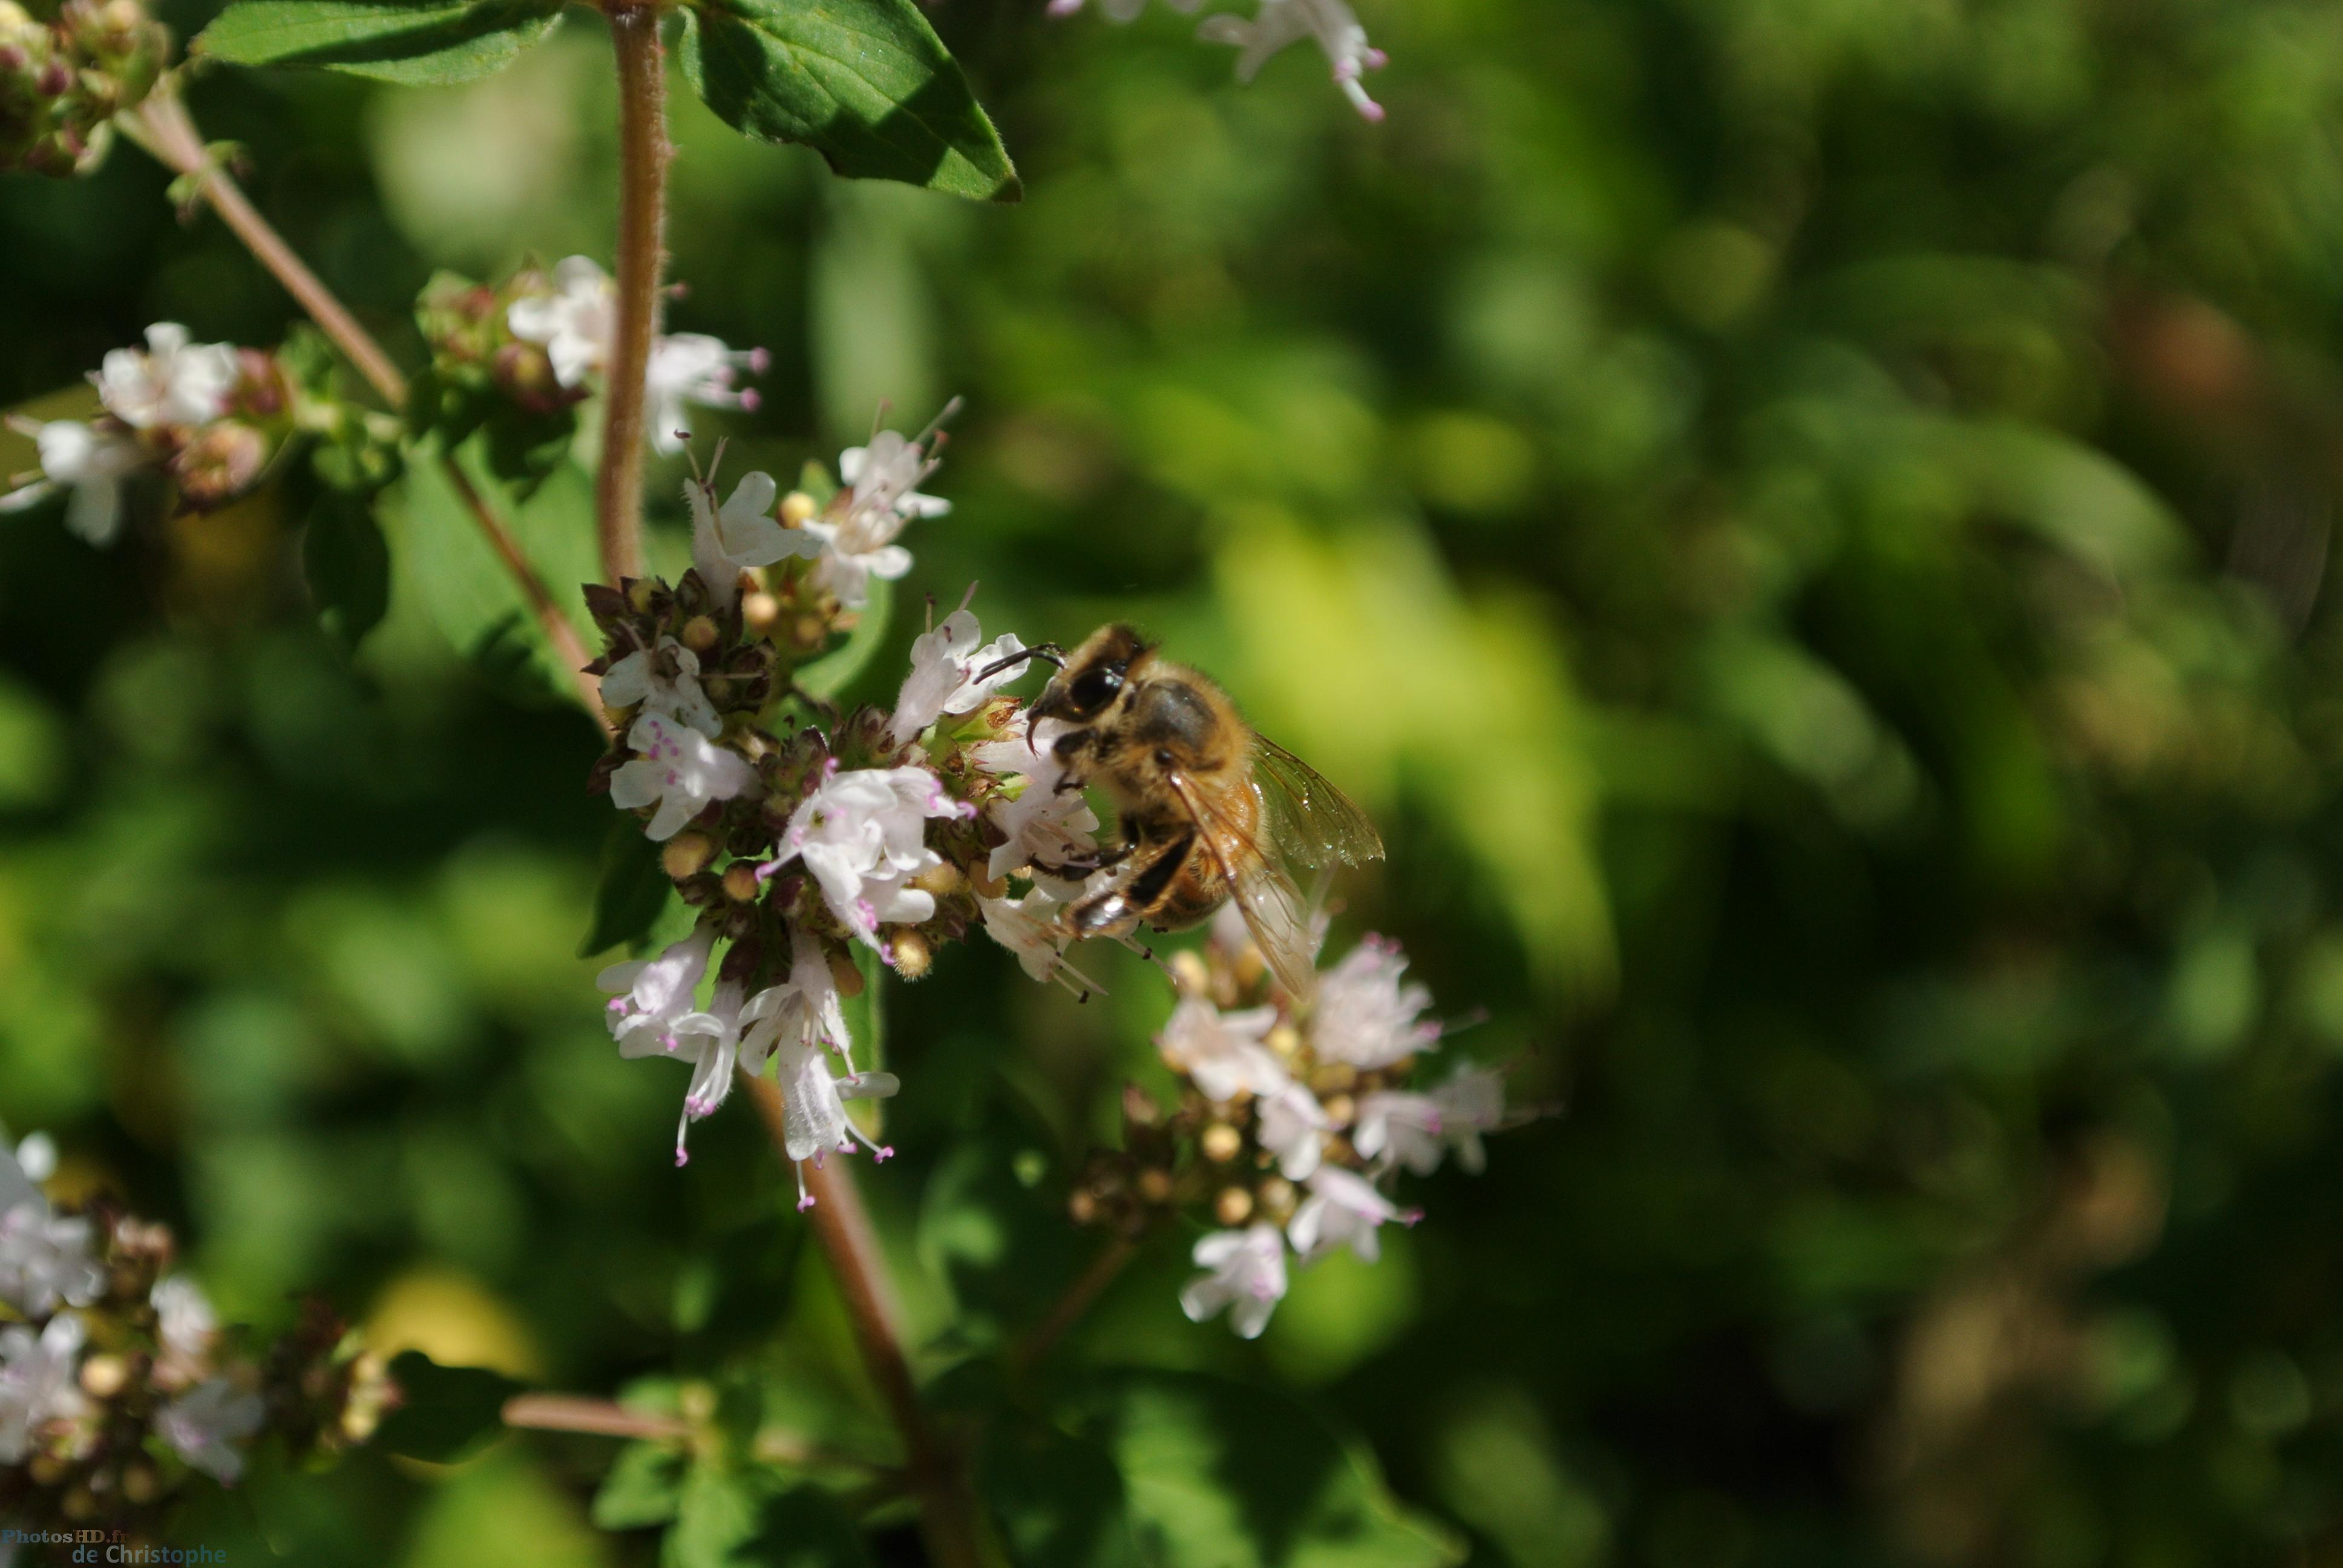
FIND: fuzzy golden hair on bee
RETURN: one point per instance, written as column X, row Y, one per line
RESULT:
column 1210, row 810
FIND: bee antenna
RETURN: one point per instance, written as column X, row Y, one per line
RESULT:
column 1047, row 653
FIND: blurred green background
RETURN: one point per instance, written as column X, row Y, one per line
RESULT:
column 1806, row 520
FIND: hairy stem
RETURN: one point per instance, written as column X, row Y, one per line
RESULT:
column 643, row 154
column 163, row 127
column 603, row 1417
column 1078, row 1299
column 841, row 1225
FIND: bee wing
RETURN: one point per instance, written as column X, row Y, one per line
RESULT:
column 1273, row 908
column 1311, row 820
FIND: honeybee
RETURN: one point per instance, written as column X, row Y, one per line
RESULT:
column 1209, row 809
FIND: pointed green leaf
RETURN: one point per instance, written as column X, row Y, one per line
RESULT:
column 867, row 83
column 423, row 42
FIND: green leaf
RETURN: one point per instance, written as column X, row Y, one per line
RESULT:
column 347, row 563
column 1224, row 1474
column 443, row 560
column 633, row 890
column 421, row 42
column 834, row 671
column 865, row 83
column 524, row 448
column 644, row 1487
column 444, row 1412
column 732, row 1519
column 1059, row 1500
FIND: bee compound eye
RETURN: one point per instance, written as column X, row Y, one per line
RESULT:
column 1093, row 689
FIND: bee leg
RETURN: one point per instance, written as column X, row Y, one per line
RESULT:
column 1118, row 911
column 1074, row 867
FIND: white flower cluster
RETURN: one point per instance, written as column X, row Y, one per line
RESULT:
column 573, row 321
column 859, row 836
column 48, row 1274
column 1330, row 24
column 1366, row 1022
column 172, row 382
column 798, row 1025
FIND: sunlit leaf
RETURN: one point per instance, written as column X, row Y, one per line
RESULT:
column 412, row 40
column 864, row 82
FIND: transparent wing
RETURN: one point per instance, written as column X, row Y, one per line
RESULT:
column 1273, row 908
column 1314, row 822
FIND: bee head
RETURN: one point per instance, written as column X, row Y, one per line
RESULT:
column 1093, row 677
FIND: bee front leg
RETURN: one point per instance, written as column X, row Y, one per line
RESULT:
column 1074, row 867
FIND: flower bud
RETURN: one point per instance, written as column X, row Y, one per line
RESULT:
column 1155, row 1184
column 1081, row 1208
column 1276, row 1196
column 942, row 881
column 1189, row 973
column 223, row 461
column 759, row 611
column 103, row 1376
column 140, row 1484
column 686, row 854
column 1220, row 1143
column 1341, row 1112
column 910, row 954
column 1234, row 1206
column 740, row 884
column 700, row 633
column 797, row 509
column 1285, row 1040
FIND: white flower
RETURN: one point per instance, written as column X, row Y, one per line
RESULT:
column 693, row 368
column 859, row 527
column 1282, row 22
column 45, row 1259
column 36, row 1157
column 1045, row 825
column 1028, row 928
column 949, row 673
column 655, row 994
column 90, row 462
column 574, row 322
column 799, row 1024
column 1222, row 1052
column 1416, row 1129
column 39, row 1381
column 1342, row 1210
column 1364, row 1016
column 1291, row 1125
column 1247, row 1275
column 803, row 1009
column 209, row 1423
column 863, row 835
column 664, row 679
column 184, row 1317
column 710, row 1041
column 172, row 382
column 728, row 540
column 680, row 770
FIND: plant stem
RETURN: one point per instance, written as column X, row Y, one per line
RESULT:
column 603, row 1417
column 558, row 629
column 947, row 1515
column 1078, row 1299
column 643, row 154
column 163, row 127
